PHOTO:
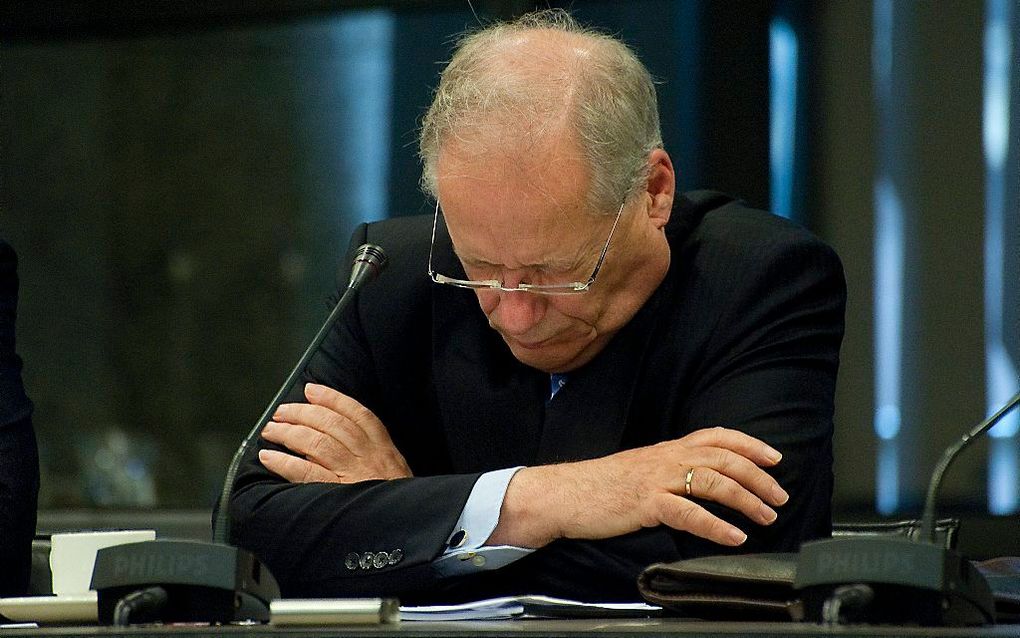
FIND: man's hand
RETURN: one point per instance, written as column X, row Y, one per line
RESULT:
column 644, row 487
column 338, row 440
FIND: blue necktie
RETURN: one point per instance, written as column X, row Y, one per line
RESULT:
column 556, row 381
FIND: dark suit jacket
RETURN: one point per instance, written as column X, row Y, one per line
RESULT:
column 743, row 332
column 19, row 458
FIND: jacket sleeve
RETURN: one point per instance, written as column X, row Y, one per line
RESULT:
column 771, row 372
column 370, row 538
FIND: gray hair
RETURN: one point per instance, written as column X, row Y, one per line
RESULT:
column 609, row 101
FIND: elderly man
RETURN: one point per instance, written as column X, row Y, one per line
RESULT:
column 568, row 372
column 19, row 457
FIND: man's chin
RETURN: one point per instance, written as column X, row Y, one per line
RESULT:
column 555, row 357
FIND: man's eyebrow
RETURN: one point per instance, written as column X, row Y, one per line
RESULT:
column 562, row 264
column 476, row 262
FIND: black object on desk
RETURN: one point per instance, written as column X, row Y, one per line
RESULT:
column 910, row 581
column 204, row 581
column 760, row 587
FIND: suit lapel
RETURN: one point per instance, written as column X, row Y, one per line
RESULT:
column 588, row 417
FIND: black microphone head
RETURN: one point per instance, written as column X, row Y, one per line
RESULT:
column 369, row 261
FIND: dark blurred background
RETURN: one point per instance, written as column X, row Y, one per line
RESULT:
column 179, row 179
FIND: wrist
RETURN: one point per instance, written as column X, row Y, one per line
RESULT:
column 527, row 516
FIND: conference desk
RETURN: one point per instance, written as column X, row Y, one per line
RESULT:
column 529, row 628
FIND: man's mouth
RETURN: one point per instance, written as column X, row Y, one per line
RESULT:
column 532, row 345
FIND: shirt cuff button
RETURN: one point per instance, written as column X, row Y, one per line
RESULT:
column 458, row 539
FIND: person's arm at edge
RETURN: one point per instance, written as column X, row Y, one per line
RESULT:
column 19, row 472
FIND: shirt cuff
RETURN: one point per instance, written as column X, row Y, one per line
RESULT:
column 465, row 552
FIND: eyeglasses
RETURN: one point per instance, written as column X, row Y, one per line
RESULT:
column 573, row 288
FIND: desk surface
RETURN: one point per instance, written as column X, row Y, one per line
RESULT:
column 650, row 628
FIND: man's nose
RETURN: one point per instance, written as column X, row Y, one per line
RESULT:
column 518, row 312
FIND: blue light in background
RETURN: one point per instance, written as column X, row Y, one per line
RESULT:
column 888, row 475
column 364, row 41
column 889, row 258
column 1001, row 370
column 889, row 276
column 782, row 114
column 1002, row 476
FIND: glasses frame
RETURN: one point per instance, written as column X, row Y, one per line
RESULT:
column 573, row 288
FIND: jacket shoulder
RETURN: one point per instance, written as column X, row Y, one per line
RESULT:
column 722, row 227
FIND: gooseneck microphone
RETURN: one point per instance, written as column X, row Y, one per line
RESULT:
column 928, row 518
column 899, row 580
column 369, row 261
column 211, row 582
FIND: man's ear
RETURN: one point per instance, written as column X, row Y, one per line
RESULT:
column 661, row 187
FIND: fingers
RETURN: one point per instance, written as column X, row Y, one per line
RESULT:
column 707, row 483
column 736, row 441
column 326, row 421
column 738, row 468
column 347, row 407
column 337, row 435
column 683, row 514
column 311, row 443
column 727, row 469
column 294, row 469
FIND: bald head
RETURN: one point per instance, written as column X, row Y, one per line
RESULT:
column 512, row 87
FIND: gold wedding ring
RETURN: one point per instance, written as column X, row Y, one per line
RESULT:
column 687, row 481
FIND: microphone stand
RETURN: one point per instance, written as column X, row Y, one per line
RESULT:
column 368, row 263
column 213, row 582
column 928, row 518
column 899, row 580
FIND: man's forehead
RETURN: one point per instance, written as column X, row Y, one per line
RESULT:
column 518, row 236
column 515, row 253
column 551, row 173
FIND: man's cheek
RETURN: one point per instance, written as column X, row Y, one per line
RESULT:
column 487, row 301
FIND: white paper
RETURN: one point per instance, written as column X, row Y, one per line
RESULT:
column 490, row 609
column 73, row 556
column 523, row 607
